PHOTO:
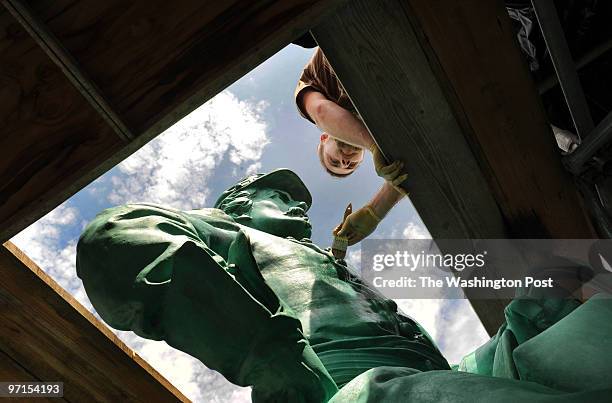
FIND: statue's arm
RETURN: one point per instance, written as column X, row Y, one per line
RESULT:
column 146, row 269
column 212, row 316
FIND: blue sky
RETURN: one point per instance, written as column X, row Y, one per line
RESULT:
column 252, row 126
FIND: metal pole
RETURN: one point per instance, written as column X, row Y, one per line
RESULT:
column 561, row 57
column 600, row 217
column 592, row 55
column 598, row 138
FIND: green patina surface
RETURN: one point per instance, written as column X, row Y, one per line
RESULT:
column 242, row 288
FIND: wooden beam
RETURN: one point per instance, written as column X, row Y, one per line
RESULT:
column 149, row 57
column 443, row 87
column 375, row 52
column 152, row 62
column 472, row 48
column 51, row 139
column 64, row 61
column 47, row 335
column 12, row 371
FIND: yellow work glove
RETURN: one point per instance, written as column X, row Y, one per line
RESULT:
column 392, row 173
column 358, row 225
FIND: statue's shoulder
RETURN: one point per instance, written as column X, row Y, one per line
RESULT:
column 211, row 213
column 210, row 218
column 213, row 217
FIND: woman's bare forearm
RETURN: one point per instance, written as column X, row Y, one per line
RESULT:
column 384, row 200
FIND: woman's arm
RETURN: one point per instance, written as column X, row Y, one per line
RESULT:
column 361, row 223
column 336, row 121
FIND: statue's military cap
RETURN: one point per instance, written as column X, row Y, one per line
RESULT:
column 280, row 179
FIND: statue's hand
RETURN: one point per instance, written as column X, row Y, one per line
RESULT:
column 284, row 369
column 358, row 225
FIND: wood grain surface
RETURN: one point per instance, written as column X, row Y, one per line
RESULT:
column 12, row 371
column 147, row 57
column 375, row 51
column 442, row 86
column 49, row 336
column 51, row 140
column 471, row 44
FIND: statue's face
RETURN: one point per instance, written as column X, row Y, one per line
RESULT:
column 275, row 212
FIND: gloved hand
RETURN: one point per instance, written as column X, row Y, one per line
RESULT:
column 358, row 225
column 392, row 173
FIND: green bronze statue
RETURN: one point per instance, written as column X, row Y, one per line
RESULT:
column 242, row 288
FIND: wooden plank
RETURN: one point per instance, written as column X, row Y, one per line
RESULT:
column 472, row 48
column 376, row 54
column 147, row 57
column 51, row 139
column 152, row 61
column 64, row 61
column 11, row 371
column 53, row 337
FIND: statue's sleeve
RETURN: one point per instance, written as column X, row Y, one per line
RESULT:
column 145, row 268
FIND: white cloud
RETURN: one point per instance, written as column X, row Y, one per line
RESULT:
column 174, row 169
column 41, row 243
column 415, row 231
column 195, row 381
column 461, row 330
column 452, row 324
column 353, row 258
column 97, row 188
column 424, row 311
